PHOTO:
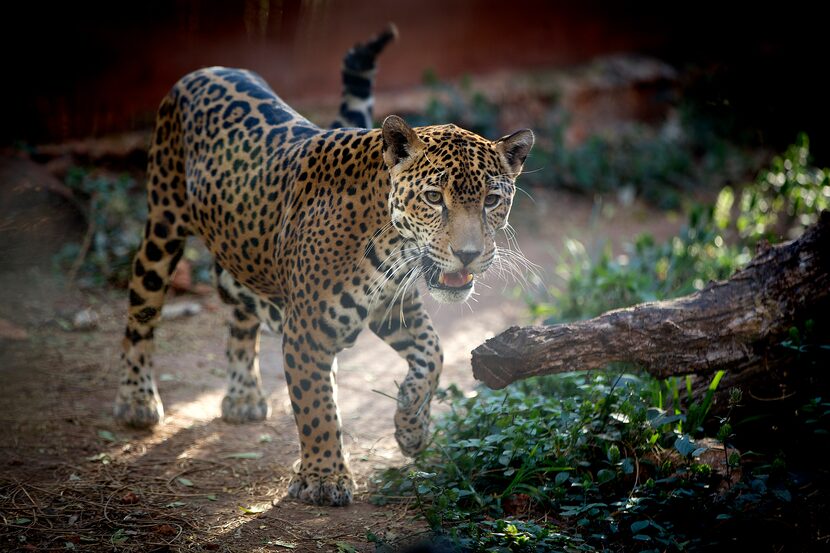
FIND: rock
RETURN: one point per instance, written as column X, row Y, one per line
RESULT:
column 614, row 91
column 180, row 309
column 86, row 319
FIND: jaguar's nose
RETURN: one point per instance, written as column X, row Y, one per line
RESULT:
column 466, row 256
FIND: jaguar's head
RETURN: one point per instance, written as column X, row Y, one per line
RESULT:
column 451, row 191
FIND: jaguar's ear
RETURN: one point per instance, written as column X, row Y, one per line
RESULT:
column 515, row 148
column 400, row 142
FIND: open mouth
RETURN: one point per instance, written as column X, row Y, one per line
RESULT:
column 460, row 280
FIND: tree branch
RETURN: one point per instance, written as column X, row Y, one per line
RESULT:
column 728, row 325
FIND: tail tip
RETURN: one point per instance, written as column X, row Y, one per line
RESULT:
column 391, row 31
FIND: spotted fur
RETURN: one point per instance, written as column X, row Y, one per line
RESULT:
column 316, row 233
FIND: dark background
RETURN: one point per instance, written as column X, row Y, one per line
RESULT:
column 77, row 69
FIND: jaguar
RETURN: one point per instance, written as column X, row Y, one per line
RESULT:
column 316, row 234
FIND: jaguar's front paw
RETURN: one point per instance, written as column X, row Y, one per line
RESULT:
column 334, row 489
column 248, row 408
column 412, row 431
column 139, row 410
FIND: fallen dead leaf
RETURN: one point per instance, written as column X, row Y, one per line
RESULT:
column 166, row 530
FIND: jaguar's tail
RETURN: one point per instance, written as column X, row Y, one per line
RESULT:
column 358, row 77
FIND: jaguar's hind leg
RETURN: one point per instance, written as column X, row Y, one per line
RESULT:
column 137, row 402
column 245, row 399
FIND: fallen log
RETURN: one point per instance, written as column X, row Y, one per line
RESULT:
column 728, row 325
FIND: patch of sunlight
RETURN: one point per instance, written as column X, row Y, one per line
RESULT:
column 204, row 407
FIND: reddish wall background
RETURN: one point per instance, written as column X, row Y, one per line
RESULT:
column 90, row 68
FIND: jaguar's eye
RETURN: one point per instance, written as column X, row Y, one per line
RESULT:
column 492, row 200
column 433, row 197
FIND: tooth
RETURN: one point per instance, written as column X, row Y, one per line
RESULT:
column 469, row 278
column 441, row 279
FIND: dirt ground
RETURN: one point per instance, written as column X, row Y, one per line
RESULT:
column 72, row 479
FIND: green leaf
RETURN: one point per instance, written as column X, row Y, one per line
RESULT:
column 343, row 547
column 639, row 526
column 263, row 438
column 212, row 497
column 107, row 435
column 783, row 495
column 119, row 536
column 184, row 481
column 605, row 475
column 176, row 504
column 244, row 455
column 22, row 520
column 699, row 451
column 684, row 445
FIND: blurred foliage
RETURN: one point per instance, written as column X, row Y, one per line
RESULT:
column 784, row 199
column 115, row 227
column 611, row 461
column 647, row 271
column 716, row 240
column 659, row 164
column 458, row 104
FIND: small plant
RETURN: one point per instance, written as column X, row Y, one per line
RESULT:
column 784, row 199
column 647, row 271
column 115, row 225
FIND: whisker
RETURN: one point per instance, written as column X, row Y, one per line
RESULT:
column 407, row 284
column 406, row 256
column 373, row 239
column 398, row 291
column 526, row 193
